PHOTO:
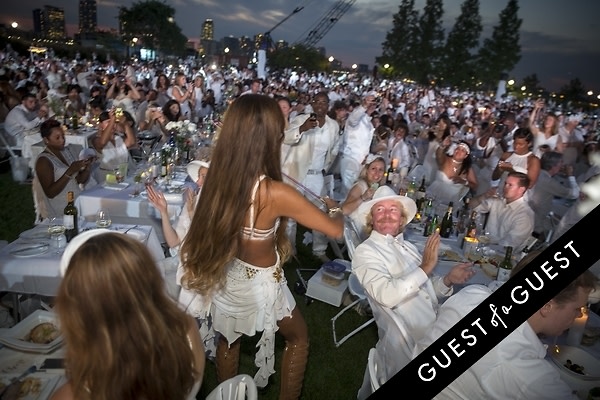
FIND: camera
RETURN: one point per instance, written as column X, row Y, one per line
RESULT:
column 499, row 128
column 313, row 116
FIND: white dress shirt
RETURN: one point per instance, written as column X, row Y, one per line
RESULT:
column 18, row 121
column 514, row 369
column 510, row 224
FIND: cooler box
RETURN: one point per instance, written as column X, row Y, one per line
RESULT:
column 328, row 287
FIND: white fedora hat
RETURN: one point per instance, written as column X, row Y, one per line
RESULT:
column 381, row 194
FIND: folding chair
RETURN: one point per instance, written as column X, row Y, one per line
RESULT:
column 352, row 238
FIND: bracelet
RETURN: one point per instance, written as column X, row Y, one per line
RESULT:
column 68, row 176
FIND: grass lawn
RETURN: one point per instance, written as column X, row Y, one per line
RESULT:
column 332, row 373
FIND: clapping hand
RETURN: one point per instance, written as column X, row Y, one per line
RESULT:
column 190, row 200
column 157, row 199
column 459, row 274
column 430, row 253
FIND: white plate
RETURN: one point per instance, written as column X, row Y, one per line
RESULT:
column 47, row 385
column 137, row 234
column 30, row 250
column 40, row 232
column 116, row 186
column 15, row 336
column 14, row 362
column 590, row 364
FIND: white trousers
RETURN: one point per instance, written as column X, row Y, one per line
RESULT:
column 314, row 183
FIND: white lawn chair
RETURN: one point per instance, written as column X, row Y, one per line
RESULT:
column 240, row 387
column 352, row 238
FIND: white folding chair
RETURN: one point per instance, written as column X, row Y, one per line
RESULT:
column 357, row 290
column 240, row 387
column 352, row 238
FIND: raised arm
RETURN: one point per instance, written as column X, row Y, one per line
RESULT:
column 288, row 202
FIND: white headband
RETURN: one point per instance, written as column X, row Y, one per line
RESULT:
column 454, row 146
column 75, row 244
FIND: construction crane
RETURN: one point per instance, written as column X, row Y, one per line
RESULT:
column 326, row 23
column 266, row 43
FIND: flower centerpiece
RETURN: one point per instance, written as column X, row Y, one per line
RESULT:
column 182, row 132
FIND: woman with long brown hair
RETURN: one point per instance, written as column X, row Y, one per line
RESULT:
column 231, row 273
column 125, row 338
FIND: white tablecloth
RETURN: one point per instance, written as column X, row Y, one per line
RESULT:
column 33, row 144
column 40, row 274
column 415, row 236
column 124, row 208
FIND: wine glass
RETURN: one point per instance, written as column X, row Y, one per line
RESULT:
column 58, row 240
column 103, row 219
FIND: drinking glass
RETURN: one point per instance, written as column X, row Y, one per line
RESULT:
column 58, row 240
column 103, row 219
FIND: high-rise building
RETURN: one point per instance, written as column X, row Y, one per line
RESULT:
column 208, row 32
column 88, row 20
column 49, row 22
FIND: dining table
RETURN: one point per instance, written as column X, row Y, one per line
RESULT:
column 33, row 144
column 450, row 254
column 14, row 363
column 31, row 264
column 127, row 202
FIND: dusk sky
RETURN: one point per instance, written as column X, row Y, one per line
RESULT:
column 560, row 40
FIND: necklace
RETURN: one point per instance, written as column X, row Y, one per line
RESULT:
column 455, row 165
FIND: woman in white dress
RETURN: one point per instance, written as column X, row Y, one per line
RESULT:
column 548, row 134
column 521, row 159
column 114, row 139
column 123, row 94
column 439, row 133
column 455, row 176
column 184, row 94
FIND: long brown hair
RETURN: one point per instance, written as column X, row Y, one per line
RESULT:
column 249, row 146
column 125, row 338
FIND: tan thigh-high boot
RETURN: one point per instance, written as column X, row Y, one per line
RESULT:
column 293, row 366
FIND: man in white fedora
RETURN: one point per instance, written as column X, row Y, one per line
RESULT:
column 398, row 280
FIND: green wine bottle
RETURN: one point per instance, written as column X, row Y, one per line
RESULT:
column 505, row 266
column 446, row 225
column 70, row 217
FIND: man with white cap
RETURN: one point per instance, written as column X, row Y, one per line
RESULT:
column 398, row 280
column 358, row 134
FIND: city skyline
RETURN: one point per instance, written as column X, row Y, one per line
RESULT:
column 558, row 39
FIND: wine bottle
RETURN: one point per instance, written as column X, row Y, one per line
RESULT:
column 505, row 266
column 164, row 161
column 74, row 122
column 411, row 189
column 431, row 225
column 421, row 190
column 70, row 217
column 389, row 175
column 471, row 232
column 446, row 225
